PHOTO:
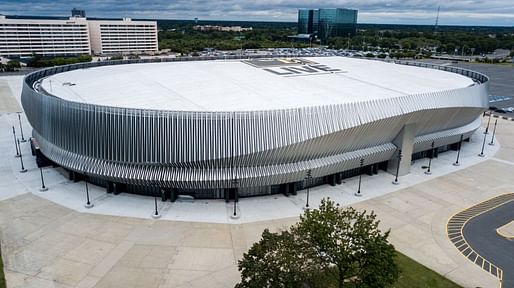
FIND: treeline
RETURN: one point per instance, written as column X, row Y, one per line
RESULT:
column 179, row 36
column 185, row 39
column 10, row 66
column 452, row 42
column 38, row 61
column 171, row 24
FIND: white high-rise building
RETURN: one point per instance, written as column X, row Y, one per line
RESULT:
column 76, row 36
column 123, row 36
column 25, row 37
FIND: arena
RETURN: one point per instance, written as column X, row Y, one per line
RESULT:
column 229, row 128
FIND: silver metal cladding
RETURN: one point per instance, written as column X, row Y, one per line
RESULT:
column 205, row 150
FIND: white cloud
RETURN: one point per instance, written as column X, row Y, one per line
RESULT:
column 472, row 12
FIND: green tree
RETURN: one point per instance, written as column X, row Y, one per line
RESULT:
column 277, row 260
column 329, row 247
column 13, row 64
column 351, row 245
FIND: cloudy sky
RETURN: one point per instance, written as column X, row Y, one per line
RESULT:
column 453, row 12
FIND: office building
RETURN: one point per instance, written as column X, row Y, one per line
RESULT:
column 326, row 23
column 25, row 37
column 75, row 36
column 123, row 36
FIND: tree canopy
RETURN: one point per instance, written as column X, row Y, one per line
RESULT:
column 330, row 247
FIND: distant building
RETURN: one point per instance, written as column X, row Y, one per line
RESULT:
column 78, row 13
column 221, row 28
column 123, row 36
column 25, row 37
column 75, row 36
column 326, row 23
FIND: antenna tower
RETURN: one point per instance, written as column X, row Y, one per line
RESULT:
column 437, row 19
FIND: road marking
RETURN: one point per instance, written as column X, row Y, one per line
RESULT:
column 455, row 231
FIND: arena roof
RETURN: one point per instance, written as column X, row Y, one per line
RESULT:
column 235, row 85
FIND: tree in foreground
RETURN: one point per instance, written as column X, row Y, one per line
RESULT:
column 330, row 247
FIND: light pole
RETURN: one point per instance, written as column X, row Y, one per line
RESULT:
column 15, row 142
column 156, row 214
column 483, row 146
column 235, row 184
column 358, row 194
column 308, row 178
column 494, row 132
column 88, row 203
column 21, row 129
column 396, row 182
column 488, row 121
column 22, row 170
column 429, row 172
column 458, row 151
column 43, row 187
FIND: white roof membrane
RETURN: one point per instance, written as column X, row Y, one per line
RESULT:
column 232, row 85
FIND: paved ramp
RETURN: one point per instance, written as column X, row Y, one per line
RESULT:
column 8, row 103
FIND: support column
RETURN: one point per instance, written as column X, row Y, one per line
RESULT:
column 174, row 194
column 292, row 188
column 339, row 180
column 285, row 189
column 164, row 195
column 227, row 194
column 110, row 187
column 404, row 141
column 332, row 179
column 115, row 188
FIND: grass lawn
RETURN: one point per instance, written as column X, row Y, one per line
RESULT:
column 2, row 279
column 412, row 275
column 416, row 275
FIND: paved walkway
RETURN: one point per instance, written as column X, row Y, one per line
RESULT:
column 46, row 244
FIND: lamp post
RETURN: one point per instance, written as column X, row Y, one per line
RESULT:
column 88, row 203
column 22, row 170
column 308, row 177
column 396, row 182
column 235, row 184
column 156, row 214
column 494, row 132
column 483, row 146
column 458, row 151
column 15, row 142
column 429, row 172
column 43, row 187
column 358, row 194
column 21, row 129
column 488, row 121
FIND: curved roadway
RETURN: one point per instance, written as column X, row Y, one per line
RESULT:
column 480, row 233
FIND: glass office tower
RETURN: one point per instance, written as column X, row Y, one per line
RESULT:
column 305, row 21
column 331, row 22
column 337, row 22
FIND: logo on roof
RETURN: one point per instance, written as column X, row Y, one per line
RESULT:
column 292, row 67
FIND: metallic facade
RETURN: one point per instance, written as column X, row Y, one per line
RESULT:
column 210, row 150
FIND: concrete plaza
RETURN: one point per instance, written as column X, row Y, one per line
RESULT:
column 50, row 240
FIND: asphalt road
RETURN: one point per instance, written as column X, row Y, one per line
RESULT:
column 502, row 81
column 480, row 233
